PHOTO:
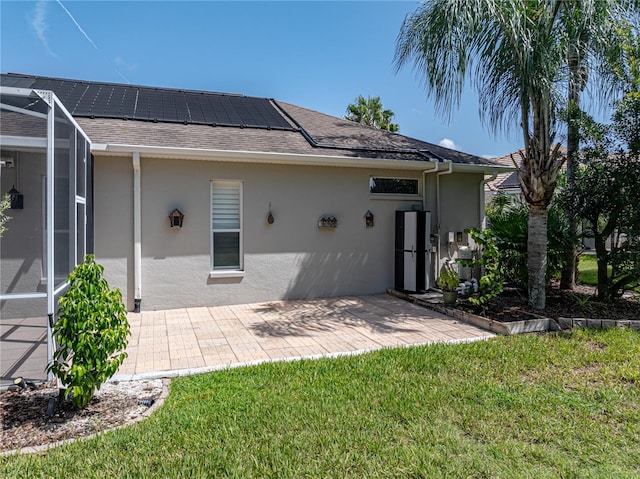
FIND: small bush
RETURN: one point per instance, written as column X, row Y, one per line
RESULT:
column 91, row 333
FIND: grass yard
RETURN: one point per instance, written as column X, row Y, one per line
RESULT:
column 588, row 267
column 521, row 406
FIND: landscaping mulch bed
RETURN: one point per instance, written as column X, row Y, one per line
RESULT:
column 25, row 423
column 512, row 305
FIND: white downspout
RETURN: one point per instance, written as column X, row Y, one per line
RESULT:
column 483, row 183
column 439, row 210
column 137, row 234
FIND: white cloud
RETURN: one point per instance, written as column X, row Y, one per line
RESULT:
column 40, row 25
column 488, row 157
column 449, row 143
column 120, row 62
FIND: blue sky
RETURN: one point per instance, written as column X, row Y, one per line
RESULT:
column 318, row 55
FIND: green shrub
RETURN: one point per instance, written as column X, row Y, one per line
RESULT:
column 490, row 284
column 448, row 279
column 90, row 333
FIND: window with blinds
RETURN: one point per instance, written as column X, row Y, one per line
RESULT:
column 226, row 225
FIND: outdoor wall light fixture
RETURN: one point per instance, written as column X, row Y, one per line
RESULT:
column 16, row 199
column 176, row 218
column 270, row 218
column 368, row 219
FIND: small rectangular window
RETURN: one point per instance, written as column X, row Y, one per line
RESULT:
column 226, row 226
column 393, row 186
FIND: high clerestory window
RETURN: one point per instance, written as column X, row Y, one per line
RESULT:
column 226, row 228
column 393, row 186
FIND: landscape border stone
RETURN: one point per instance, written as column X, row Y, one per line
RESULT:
column 539, row 324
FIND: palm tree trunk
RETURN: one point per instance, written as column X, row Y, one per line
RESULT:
column 537, row 256
column 567, row 278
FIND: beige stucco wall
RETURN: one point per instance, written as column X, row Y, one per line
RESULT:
column 21, row 245
column 292, row 258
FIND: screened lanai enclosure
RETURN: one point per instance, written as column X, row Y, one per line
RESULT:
column 46, row 174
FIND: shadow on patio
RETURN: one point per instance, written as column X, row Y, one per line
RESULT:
column 23, row 349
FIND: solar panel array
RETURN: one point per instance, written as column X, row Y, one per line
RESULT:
column 111, row 100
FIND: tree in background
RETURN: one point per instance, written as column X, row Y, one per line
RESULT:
column 588, row 32
column 605, row 191
column 509, row 50
column 369, row 111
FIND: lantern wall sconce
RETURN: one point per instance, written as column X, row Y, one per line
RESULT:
column 368, row 219
column 16, row 199
column 175, row 218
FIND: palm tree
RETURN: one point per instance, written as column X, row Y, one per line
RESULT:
column 509, row 50
column 369, row 111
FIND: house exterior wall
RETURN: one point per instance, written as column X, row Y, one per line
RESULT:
column 291, row 258
column 459, row 209
column 22, row 243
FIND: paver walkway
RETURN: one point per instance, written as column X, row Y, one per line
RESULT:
column 186, row 341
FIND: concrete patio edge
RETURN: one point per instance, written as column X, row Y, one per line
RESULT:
column 174, row 373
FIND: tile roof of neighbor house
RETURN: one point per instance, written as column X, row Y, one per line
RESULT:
column 510, row 180
column 113, row 113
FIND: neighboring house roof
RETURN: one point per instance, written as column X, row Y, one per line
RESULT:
column 510, row 181
column 505, row 180
column 115, row 114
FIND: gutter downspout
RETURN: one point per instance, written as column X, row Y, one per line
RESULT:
column 137, row 244
column 483, row 183
column 439, row 210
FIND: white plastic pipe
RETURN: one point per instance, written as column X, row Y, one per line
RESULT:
column 137, row 233
column 482, row 185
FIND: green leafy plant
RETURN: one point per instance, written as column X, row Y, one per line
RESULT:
column 448, row 279
column 91, row 333
column 4, row 205
column 491, row 281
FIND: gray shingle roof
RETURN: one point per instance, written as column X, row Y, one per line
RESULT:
column 175, row 118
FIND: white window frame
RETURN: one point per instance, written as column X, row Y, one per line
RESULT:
column 226, row 273
column 396, row 196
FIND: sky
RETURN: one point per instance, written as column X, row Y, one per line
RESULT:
column 318, row 55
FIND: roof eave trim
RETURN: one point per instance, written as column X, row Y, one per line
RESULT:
column 260, row 157
column 486, row 169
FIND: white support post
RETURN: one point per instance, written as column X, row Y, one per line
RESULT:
column 50, row 232
column 137, row 233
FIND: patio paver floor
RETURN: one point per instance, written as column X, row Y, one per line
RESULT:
column 192, row 340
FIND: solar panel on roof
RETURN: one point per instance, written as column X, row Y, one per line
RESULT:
column 89, row 99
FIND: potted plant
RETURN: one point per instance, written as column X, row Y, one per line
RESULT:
column 448, row 281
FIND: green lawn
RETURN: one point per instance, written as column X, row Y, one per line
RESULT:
column 588, row 268
column 522, row 406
